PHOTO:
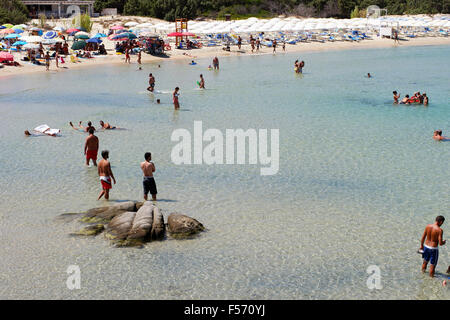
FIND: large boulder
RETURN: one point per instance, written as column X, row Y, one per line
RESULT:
column 142, row 223
column 158, row 227
column 120, row 226
column 106, row 214
column 180, row 225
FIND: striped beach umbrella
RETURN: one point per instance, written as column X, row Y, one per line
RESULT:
column 8, row 26
column 50, row 35
column 100, row 35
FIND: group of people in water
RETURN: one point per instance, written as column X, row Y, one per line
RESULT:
column 417, row 98
column 298, row 66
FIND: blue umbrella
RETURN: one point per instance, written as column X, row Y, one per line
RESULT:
column 50, row 35
column 124, row 35
column 13, row 36
column 18, row 30
column 94, row 40
column 2, row 27
column 19, row 43
column 122, row 31
column 100, row 35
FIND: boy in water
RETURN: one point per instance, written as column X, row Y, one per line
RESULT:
column 105, row 173
column 148, row 168
column 433, row 235
column 151, row 83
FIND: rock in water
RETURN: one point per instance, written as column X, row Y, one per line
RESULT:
column 120, row 226
column 180, row 225
column 90, row 230
column 142, row 223
column 105, row 214
column 158, row 227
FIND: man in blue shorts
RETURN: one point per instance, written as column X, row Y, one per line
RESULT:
column 432, row 236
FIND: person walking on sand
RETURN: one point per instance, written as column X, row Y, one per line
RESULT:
column 430, row 242
column 148, row 168
column 139, row 57
column 56, row 58
column 202, row 82
column 151, row 83
column 127, row 55
column 47, row 61
column 91, row 147
column 176, row 103
column 105, row 174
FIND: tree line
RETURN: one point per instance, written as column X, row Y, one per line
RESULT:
column 171, row 9
column 13, row 11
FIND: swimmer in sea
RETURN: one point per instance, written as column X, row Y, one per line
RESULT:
column 405, row 100
column 106, row 126
column 84, row 129
column 158, row 101
column 193, row 63
column 396, row 97
column 438, row 136
column 369, row 76
column 425, row 99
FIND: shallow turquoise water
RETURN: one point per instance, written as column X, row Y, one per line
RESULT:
column 359, row 178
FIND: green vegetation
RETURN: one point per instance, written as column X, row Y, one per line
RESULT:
column 13, row 11
column 191, row 9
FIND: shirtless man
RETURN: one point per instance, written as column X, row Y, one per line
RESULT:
column 425, row 99
column 202, row 82
column 405, row 100
column 274, row 45
column 106, row 125
column 91, row 148
column 151, row 83
column 216, row 63
column 139, row 57
column 438, row 136
column 396, row 97
column 433, row 235
column 105, row 173
column 148, row 168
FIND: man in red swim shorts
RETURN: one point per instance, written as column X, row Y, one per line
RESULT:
column 91, row 147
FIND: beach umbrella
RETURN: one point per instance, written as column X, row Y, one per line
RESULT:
column 78, row 45
column 100, row 35
column 31, row 46
column 2, row 27
column 189, row 34
column 94, row 40
column 60, row 29
column 117, row 28
column 8, row 26
column 6, row 31
column 50, row 35
column 13, row 36
column 82, row 36
column 121, row 31
column 79, row 33
column 71, row 30
column 32, row 39
column 175, row 34
column 131, row 24
column 5, row 56
column 125, row 35
column 19, row 43
column 18, row 30
column 51, row 41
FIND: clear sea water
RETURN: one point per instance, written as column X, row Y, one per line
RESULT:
column 359, row 178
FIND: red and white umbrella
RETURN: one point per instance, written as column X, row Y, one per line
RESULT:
column 5, row 56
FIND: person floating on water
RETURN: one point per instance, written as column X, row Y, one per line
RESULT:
column 429, row 244
column 158, row 101
column 201, row 83
column 193, row 63
column 84, row 129
column 437, row 135
column 175, row 98
column 148, row 168
column 91, row 148
column 369, row 76
column 106, row 125
column 151, row 83
column 105, row 174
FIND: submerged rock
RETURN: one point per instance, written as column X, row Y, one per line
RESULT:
column 106, row 214
column 90, row 230
column 180, row 225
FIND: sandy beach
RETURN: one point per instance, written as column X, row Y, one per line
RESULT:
column 210, row 52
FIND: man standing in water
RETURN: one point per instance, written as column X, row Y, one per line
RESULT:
column 433, row 235
column 91, row 147
column 151, row 83
column 202, row 82
column 105, row 173
column 175, row 98
column 216, row 63
column 148, row 168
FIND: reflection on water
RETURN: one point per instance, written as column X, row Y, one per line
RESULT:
column 359, row 178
